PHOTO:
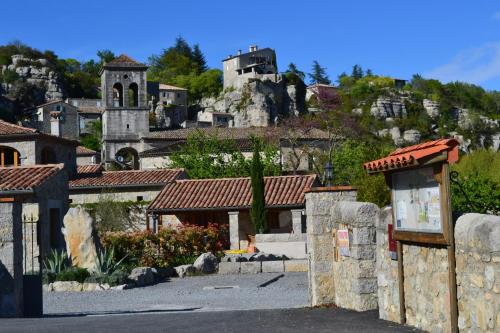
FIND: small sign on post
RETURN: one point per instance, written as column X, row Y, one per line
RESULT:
column 343, row 242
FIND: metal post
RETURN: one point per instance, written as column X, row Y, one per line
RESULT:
column 402, row 308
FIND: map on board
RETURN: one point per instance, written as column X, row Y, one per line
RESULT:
column 417, row 201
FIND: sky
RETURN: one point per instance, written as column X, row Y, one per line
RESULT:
column 447, row 40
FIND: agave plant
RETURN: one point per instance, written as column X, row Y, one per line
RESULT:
column 56, row 261
column 105, row 263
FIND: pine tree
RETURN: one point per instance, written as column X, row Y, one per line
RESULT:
column 199, row 59
column 258, row 212
column 182, row 47
column 357, row 72
column 292, row 68
column 318, row 74
column 369, row 72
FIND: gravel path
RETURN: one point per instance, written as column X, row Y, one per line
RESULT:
column 191, row 293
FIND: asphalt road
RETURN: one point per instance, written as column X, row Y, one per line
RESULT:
column 279, row 320
column 201, row 293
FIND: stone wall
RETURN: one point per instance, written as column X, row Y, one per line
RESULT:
column 426, row 281
column 477, row 239
column 11, row 260
column 346, row 281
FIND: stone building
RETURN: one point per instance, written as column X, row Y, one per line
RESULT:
column 40, row 193
column 259, row 64
column 22, row 146
column 126, row 113
column 86, row 156
column 57, row 118
column 89, row 110
column 128, row 185
column 171, row 109
column 227, row 201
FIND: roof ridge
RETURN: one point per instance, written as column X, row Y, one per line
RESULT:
column 18, row 126
column 36, row 166
column 248, row 177
column 146, row 170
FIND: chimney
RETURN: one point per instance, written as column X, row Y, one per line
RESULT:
column 253, row 48
column 239, row 52
column 55, row 124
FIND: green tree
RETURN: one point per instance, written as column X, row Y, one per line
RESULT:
column 105, row 56
column 94, row 138
column 292, row 68
column 318, row 74
column 357, row 72
column 199, row 59
column 215, row 156
column 258, row 211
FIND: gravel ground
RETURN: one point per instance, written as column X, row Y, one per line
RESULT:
column 191, row 293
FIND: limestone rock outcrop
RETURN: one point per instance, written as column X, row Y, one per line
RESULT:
column 37, row 72
column 206, row 263
column 257, row 103
column 81, row 238
column 388, row 107
column 431, row 107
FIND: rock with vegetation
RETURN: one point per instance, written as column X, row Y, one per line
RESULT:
column 81, row 238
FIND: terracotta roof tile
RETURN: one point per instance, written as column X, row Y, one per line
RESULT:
column 89, row 169
column 123, row 60
column 26, row 178
column 128, row 178
column 170, row 87
column 81, row 150
column 7, row 128
column 231, row 193
column 410, row 156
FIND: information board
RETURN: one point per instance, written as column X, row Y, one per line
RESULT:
column 417, row 201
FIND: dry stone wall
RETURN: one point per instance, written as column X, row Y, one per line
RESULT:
column 478, row 272
column 347, row 281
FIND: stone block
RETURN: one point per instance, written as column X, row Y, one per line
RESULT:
column 296, row 265
column 251, row 267
column 229, row 268
column 66, row 286
column 364, row 252
column 364, row 285
column 363, row 236
column 273, row 266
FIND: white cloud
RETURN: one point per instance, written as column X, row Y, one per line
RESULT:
column 476, row 65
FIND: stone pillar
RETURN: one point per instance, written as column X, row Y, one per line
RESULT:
column 11, row 260
column 234, row 230
column 297, row 220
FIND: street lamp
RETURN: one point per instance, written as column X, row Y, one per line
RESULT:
column 328, row 174
column 155, row 222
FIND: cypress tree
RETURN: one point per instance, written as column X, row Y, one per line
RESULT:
column 258, row 212
column 199, row 59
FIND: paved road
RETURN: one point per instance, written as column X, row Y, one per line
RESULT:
column 281, row 320
column 239, row 292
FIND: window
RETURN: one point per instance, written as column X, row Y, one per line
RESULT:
column 117, row 95
column 9, row 157
column 133, row 94
column 128, row 126
column 140, row 198
column 178, row 95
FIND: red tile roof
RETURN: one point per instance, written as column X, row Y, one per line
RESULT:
column 231, row 193
column 7, row 128
column 412, row 155
column 89, row 169
column 81, row 150
column 123, row 60
column 26, row 178
column 128, row 178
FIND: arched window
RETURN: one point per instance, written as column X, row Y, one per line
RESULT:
column 117, row 94
column 48, row 156
column 133, row 94
column 127, row 159
column 9, row 157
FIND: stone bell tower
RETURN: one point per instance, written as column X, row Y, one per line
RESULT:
column 125, row 119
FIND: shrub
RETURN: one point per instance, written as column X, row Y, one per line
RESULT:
column 56, row 262
column 477, row 189
column 116, row 278
column 171, row 246
column 106, row 263
column 73, row 274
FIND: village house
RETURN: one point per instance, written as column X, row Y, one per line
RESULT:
column 257, row 64
column 228, row 201
column 57, row 118
column 85, row 156
column 22, row 146
column 89, row 110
